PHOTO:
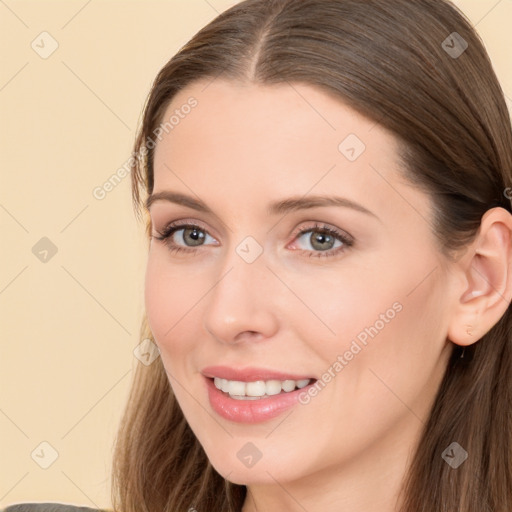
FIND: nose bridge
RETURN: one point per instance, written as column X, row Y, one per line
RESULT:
column 242, row 297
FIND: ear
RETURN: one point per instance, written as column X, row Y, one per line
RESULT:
column 486, row 269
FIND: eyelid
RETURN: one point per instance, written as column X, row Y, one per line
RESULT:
column 323, row 226
column 183, row 223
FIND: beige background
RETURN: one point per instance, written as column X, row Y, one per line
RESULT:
column 70, row 324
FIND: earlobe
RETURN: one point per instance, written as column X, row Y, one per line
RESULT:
column 487, row 272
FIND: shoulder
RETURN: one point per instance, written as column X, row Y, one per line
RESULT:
column 47, row 507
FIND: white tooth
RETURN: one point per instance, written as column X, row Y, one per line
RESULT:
column 288, row 385
column 236, row 387
column 224, row 383
column 257, row 388
column 237, row 397
column 273, row 387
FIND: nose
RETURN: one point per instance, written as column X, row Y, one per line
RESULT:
column 243, row 304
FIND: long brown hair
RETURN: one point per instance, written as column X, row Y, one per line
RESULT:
column 396, row 62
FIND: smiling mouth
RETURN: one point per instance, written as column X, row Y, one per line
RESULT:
column 256, row 390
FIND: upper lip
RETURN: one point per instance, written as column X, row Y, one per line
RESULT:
column 249, row 374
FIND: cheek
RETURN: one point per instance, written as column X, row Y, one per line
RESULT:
column 398, row 344
column 158, row 302
column 170, row 294
column 339, row 307
column 379, row 324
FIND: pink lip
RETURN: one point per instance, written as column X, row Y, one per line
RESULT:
column 249, row 374
column 251, row 411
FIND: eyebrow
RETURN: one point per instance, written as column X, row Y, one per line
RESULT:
column 276, row 208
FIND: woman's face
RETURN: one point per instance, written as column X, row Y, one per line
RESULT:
column 272, row 283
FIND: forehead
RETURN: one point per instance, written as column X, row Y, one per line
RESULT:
column 227, row 111
column 273, row 141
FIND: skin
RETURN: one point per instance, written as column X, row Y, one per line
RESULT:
column 242, row 147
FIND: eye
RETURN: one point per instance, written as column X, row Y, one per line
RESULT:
column 190, row 234
column 323, row 240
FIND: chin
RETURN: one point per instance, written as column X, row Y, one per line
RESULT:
column 250, row 472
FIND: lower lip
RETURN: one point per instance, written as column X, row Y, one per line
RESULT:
column 251, row 411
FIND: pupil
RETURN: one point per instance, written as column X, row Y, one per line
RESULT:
column 321, row 238
column 195, row 235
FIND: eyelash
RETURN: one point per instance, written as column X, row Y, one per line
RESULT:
column 173, row 227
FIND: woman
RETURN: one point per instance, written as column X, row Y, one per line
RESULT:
column 375, row 379
column 271, row 392
column 325, row 188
